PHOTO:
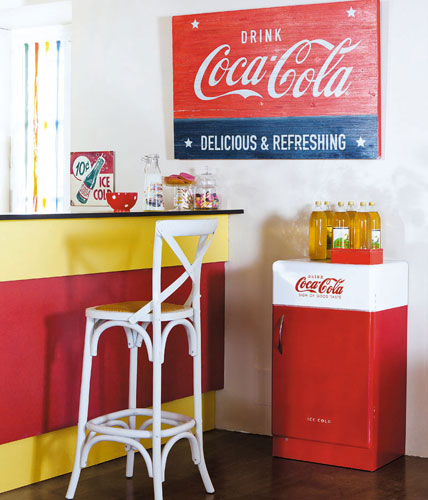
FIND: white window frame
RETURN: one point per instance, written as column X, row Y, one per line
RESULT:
column 18, row 197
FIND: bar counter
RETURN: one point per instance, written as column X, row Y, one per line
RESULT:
column 99, row 214
column 53, row 266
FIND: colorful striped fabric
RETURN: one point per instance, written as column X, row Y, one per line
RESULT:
column 40, row 131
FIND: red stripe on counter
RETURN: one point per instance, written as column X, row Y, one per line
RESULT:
column 43, row 326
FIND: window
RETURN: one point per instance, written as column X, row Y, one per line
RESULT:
column 40, row 124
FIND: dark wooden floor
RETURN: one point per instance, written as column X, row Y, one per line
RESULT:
column 241, row 467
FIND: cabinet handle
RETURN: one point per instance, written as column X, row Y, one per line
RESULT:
column 280, row 334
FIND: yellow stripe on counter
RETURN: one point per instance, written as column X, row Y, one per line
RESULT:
column 49, row 455
column 46, row 248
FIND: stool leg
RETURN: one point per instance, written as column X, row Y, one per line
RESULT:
column 83, row 408
column 197, row 397
column 132, row 403
column 157, row 387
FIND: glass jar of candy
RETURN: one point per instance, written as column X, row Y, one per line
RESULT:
column 184, row 197
column 206, row 195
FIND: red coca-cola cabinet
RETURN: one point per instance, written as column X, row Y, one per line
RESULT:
column 339, row 362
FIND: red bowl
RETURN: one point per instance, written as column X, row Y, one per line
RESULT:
column 122, row 202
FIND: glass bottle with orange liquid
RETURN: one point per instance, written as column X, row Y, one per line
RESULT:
column 363, row 228
column 329, row 213
column 318, row 233
column 376, row 226
column 352, row 213
column 341, row 227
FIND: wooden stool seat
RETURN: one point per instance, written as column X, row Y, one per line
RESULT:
column 124, row 310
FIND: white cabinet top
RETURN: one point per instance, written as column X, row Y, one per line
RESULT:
column 340, row 286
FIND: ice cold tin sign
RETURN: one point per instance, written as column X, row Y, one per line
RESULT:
column 284, row 82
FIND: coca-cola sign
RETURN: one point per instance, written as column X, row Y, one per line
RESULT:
column 320, row 285
column 91, row 177
column 284, row 82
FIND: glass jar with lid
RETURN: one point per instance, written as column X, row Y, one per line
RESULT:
column 184, row 190
column 206, row 194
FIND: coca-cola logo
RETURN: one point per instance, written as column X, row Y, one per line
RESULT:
column 270, row 76
column 329, row 286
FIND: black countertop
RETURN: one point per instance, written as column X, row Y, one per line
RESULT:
column 95, row 215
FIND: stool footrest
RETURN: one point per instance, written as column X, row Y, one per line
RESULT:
column 110, row 427
column 109, row 424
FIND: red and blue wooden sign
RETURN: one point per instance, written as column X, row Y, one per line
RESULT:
column 284, row 82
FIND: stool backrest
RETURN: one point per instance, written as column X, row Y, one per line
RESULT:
column 168, row 230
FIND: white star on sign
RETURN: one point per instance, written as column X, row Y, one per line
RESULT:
column 351, row 12
column 195, row 24
column 188, row 143
column 361, row 142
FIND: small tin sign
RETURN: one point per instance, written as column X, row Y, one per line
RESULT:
column 92, row 177
column 298, row 82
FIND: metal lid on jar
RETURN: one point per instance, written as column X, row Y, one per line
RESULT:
column 206, row 179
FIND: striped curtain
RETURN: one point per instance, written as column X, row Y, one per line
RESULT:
column 38, row 155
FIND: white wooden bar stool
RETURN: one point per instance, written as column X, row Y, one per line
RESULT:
column 135, row 317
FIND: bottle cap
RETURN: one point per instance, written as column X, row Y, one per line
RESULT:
column 326, row 203
column 150, row 156
column 372, row 203
column 340, row 203
column 318, row 203
column 351, row 203
column 363, row 203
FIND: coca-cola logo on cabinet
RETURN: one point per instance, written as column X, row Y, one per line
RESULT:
column 328, row 286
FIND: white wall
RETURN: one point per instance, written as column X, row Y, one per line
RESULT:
column 30, row 13
column 122, row 100
column 5, row 96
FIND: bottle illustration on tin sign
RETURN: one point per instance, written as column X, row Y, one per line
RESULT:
column 90, row 180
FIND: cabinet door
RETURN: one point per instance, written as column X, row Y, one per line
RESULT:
column 322, row 375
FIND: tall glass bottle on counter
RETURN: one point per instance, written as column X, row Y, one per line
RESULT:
column 341, row 227
column 329, row 213
column 318, row 233
column 153, row 186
